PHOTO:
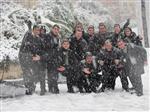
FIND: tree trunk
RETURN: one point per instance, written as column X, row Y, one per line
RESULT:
column 144, row 22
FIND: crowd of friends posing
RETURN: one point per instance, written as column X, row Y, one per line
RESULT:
column 90, row 61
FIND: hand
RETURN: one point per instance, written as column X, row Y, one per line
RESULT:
column 86, row 70
column 36, row 58
column 101, row 62
column 61, row 69
column 117, row 61
column 145, row 63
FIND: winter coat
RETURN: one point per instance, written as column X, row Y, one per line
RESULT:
column 67, row 59
column 109, row 59
column 103, row 37
column 30, row 47
column 51, row 46
column 115, row 38
column 92, row 43
column 79, row 47
column 133, row 38
column 136, row 58
column 92, row 68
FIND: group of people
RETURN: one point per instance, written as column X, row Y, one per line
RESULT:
column 88, row 60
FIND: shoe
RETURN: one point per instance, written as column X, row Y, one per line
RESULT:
column 139, row 94
column 132, row 88
column 71, row 91
column 56, row 91
column 50, row 90
column 42, row 93
column 28, row 92
column 81, row 91
column 127, row 90
column 101, row 90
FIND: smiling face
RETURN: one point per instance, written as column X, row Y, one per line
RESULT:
column 121, row 44
column 36, row 31
column 102, row 29
column 90, row 31
column 89, row 59
column 55, row 30
column 127, row 32
column 117, row 29
column 78, row 34
column 108, row 45
column 66, row 45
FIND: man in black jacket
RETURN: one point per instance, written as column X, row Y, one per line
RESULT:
column 52, row 42
column 118, row 32
column 103, row 34
column 68, row 65
column 32, row 66
column 78, row 45
column 136, row 58
column 108, row 60
column 89, row 74
column 92, row 40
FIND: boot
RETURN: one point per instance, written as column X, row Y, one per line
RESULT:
column 55, row 90
column 42, row 93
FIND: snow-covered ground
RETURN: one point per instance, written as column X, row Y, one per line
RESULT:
column 116, row 100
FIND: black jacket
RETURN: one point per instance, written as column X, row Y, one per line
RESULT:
column 133, row 38
column 92, row 44
column 66, row 58
column 136, row 57
column 79, row 47
column 30, row 47
column 109, row 58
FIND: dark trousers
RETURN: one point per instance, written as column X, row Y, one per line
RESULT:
column 108, row 80
column 28, row 78
column 71, row 79
column 124, row 80
column 135, row 79
column 39, row 74
column 88, row 83
column 136, row 82
column 52, row 81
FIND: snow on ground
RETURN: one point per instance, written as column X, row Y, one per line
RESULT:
column 116, row 100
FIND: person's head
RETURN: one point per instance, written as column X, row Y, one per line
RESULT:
column 117, row 28
column 102, row 28
column 127, row 31
column 78, row 34
column 89, row 57
column 108, row 45
column 36, row 30
column 65, row 44
column 91, row 30
column 55, row 30
column 79, row 25
column 121, row 44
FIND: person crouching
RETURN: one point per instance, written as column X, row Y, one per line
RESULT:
column 67, row 64
column 88, row 79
